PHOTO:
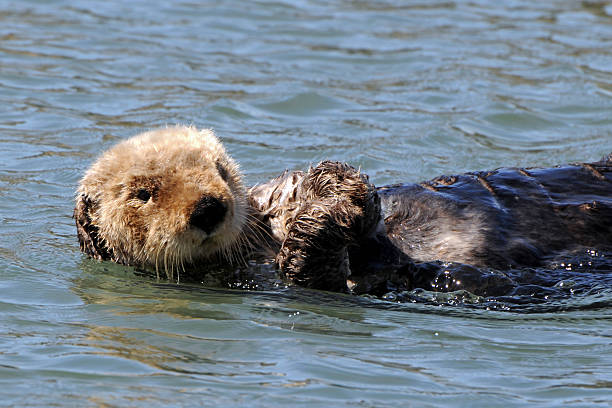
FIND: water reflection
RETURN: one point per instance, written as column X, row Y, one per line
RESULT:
column 406, row 91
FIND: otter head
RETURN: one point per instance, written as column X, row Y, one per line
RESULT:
column 162, row 199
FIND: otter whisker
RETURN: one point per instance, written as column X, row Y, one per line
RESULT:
column 236, row 246
column 157, row 263
column 257, row 227
column 169, row 274
column 178, row 261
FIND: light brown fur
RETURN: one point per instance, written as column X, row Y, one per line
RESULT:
column 288, row 220
column 177, row 166
column 173, row 200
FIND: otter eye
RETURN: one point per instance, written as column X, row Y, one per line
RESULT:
column 143, row 195
column 222, row 171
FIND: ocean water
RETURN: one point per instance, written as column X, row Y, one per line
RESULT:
column 407, row 90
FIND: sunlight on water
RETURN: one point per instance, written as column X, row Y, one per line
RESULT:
column 404, row 90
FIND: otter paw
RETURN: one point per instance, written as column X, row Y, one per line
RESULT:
column 331, row 179
column 314, row 253
column 339, row 210
column 336, row 182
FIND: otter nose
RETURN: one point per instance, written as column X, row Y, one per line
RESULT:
column 208, row 214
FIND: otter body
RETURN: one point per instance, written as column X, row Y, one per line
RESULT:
column 172, row 199
column 503, row 218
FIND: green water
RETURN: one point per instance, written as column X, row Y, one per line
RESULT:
column 407, row 90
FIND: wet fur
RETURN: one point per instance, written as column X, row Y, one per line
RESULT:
column 328, row 227
column 502, row 218
column 176, row 166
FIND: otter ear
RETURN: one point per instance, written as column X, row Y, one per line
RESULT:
column 87, row 231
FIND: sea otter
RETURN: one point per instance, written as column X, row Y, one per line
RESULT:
column 172, row 199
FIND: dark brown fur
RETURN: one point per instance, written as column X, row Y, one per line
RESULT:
column 504, row 219
column 329, row 228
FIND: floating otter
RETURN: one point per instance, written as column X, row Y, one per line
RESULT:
column 172, row 199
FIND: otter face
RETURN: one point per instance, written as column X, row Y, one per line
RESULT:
column 162, row 199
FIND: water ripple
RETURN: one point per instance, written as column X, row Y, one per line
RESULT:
column 405, row 90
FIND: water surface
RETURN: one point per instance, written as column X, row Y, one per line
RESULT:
column 406, row 90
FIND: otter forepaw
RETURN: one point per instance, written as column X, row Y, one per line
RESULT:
column 348, row 191
column 315, row 251
column 339, row 209
column 331, row 179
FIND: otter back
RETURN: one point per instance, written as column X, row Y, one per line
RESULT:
column 502, row 218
